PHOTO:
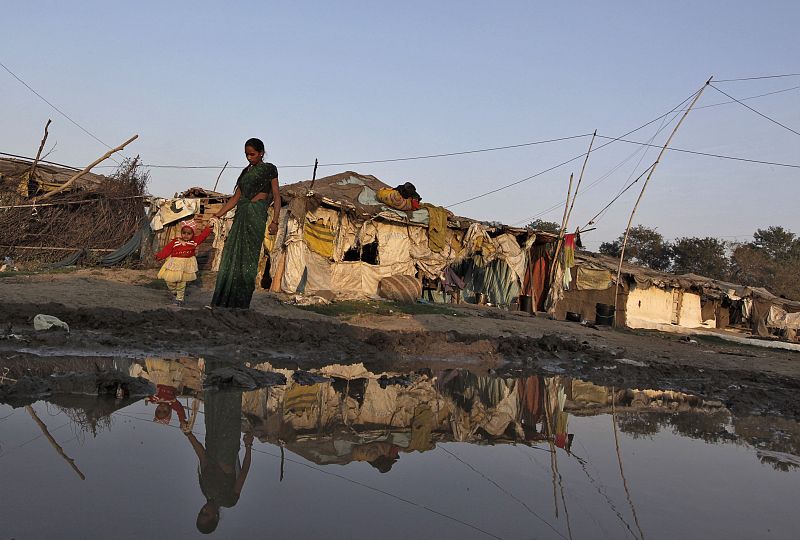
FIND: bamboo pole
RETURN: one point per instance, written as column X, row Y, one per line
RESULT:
column 41, row 147
column 563, row 226
column 53, row 442
column 88, row 168
column 220, row 176
column 580, row 178
column 644, row 186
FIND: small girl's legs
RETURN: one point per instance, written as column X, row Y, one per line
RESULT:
column 178, row 288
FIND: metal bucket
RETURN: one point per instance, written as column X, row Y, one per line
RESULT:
column 526, row 303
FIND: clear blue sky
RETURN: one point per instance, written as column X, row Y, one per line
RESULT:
column 350, row 81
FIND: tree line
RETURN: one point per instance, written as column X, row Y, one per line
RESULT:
column 770, row 260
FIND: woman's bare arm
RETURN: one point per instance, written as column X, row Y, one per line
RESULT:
column 229, row 205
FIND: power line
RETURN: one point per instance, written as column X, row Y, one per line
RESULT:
column 648, row 144
column 755, row 111
column 389, row 160
column 707, row 154
column 62, row 113
column 757, row 78
column 429, row 156
column 582, row 154
column 620, row 194
column 747, row 98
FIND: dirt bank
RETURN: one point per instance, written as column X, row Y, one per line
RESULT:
column 124, row 315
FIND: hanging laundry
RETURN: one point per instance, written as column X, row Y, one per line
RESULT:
column 437, row 227
column 569, row 250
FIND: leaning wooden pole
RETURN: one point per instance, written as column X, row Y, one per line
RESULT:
column 580, row 178
column 53, row 442
column 41, row 147
column 563, row 224
column 639, row 199
column 551, row 300
column 220, row 175
column 102, row 158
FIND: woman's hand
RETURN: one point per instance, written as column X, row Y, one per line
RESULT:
column 213, row 221
column 248, row 439
column 273, row 228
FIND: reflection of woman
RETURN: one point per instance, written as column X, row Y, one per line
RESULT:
column 256, row 188
column 220, row 473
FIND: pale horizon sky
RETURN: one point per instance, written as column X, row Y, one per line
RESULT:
column 357, row 81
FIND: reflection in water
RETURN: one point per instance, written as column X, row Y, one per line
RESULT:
column 345, row 414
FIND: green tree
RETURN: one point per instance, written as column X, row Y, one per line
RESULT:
column 777, row 243
column 546, row 226
column 646, row 246
column 704, row 256
column 771, row 260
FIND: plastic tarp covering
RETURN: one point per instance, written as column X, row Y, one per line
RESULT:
column 394, row 244
column 70, row 260
column 361, row 277
column 496, row 280
column 592, row 279
column 130, row 247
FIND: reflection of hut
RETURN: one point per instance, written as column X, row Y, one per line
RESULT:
column 657, row 300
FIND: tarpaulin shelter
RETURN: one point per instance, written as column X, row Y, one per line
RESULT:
column 335, row 235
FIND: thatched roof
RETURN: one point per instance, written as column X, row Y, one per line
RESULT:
column 13, row 171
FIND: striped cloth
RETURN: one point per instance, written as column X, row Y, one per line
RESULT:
column 319, row 237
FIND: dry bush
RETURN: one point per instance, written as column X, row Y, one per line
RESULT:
column 101, row 216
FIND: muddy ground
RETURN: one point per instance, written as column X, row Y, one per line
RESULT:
column 125, row 313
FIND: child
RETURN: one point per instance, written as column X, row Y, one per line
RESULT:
column 181, row 264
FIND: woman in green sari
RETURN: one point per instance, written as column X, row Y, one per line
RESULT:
column 256, row 188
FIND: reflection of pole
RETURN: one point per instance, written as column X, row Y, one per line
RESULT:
column 619, row 460
column 283, row 458
column 644, row 186
column 549, row 433
column 50, row 438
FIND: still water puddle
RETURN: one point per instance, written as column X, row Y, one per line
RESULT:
column 344, row 453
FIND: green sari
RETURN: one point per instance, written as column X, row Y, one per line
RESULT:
column 236, row 279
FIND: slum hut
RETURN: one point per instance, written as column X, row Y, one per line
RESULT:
column 649, row 299
column 95, row 215
column 349, row 232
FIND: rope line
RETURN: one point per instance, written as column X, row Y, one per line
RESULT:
column 62, row 113
column 758, row 78
column 707, row 154
column 755, row 111
column 579, row 156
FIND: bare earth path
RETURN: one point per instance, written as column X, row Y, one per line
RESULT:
column 125, row 313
